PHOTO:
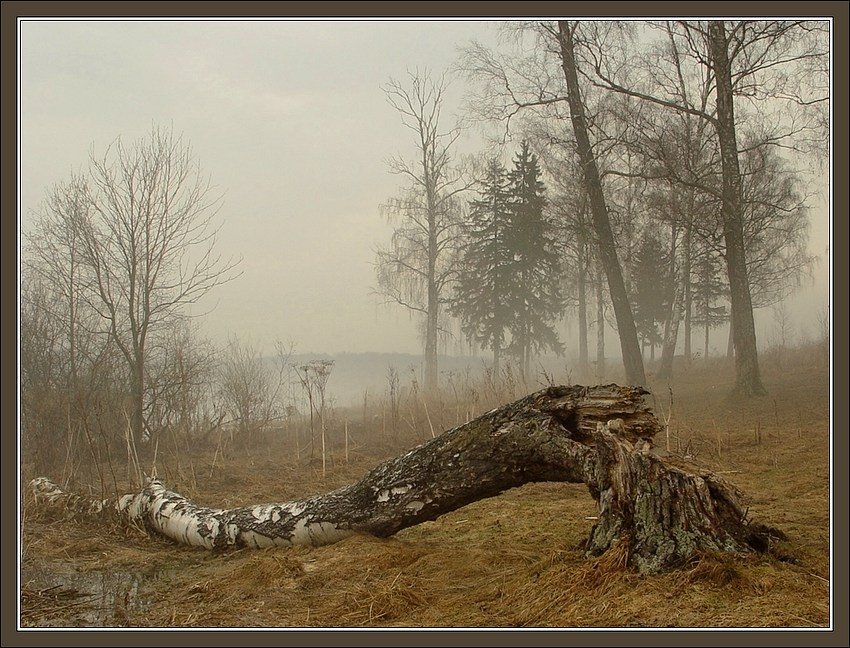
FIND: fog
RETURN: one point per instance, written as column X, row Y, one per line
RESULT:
column 289, row 121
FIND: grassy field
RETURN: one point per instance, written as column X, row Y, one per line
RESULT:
column 511, row 561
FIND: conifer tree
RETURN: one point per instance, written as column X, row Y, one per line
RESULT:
column 537, row 301
column 651, row 288
column 481, row 298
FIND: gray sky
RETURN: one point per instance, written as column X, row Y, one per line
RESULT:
column 289, row 121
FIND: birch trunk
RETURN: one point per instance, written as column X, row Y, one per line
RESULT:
column 606, row 246
column 600, row 436
column 743, row 332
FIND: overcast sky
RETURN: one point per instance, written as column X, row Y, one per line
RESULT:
column 289, row 120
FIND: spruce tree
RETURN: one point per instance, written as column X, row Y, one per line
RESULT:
column 537, row 300
column 651, row 288
column 482, row 292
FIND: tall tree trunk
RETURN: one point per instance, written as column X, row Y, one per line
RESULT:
column 582, row 310
column 671, row 337
column 600, row 324
column 632, row 359
column 748, row 377
column 671, row 323
column 663, row 515
column 432, row 318
column 686, row 281
column 312, row 430
column 730, row 342
column 137, row 387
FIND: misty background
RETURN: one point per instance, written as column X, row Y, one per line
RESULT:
column 289, row 121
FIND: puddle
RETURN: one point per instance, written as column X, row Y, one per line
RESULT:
column 106, row 599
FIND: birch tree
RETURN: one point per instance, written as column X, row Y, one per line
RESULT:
column 416, row 269
column 632, row 357
column 251, row 387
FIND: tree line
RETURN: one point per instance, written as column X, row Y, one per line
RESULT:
column 674, row 152
column 646, row 196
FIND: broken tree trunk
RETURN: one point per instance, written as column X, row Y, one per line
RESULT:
column 600, row 436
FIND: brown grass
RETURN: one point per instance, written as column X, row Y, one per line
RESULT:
column 512, row 561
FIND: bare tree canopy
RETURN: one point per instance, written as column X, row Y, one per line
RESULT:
column 138, row 238
column 600, row 436
column 770, row 75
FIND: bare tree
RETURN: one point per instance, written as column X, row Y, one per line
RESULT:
column 632, row 357
column 149, row 246
column 676, row 163
column 180, row 387
column 421, row 260
column 67, row 367
column 54, row 253
column 748, row 379
column 784, row 61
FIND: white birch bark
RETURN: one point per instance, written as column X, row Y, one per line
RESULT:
column 600, row 436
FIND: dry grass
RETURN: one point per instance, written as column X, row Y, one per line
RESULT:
column 512, row 561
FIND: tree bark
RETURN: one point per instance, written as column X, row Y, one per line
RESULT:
column 600, row 436
column 632, row 358
column 671, row 337
column 747, row 375
column 730, row 341
column 137, row 388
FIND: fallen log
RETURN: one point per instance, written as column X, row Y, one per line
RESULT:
column 600, row 436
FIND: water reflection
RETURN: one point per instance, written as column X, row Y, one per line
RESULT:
column 109, row 599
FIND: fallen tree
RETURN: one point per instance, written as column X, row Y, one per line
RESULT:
column 600, row 436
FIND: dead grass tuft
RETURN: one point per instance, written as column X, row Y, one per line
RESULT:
column 715, row 570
